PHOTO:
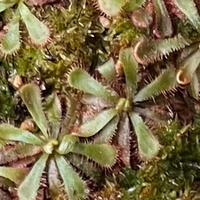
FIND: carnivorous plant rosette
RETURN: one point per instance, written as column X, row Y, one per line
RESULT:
column 56, row 144
column 39, row 33
column 121, row 109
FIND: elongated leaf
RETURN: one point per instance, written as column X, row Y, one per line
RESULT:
column 93, row 126
column 9, row 132
column 30, row 94
column 107, row 133
column 5, row 4
column 123, row 139
column 165, row 82
column 107, row 70
column 81, row 80
column 148, row 50
column 38, row 31
column 130, row 67
column 55, row 185
column 188, row 7
column 54, row 114
column 111, row 7
column 148, row 145
column 14, row 174
column 74, row 185
column 17, row 152
column 11, row 41
column 103, row 154
column 163, row 20
column 29, row 187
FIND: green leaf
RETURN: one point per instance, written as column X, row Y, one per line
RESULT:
column 132, row 5
column 188, row 7
column 14, row 174
column 107, row 70
column 11, row 41
column 55, row 185
column 38, row 31
column 9, row 132
column 111, row 7
column 30, row 94
column 164, row 82
column 130, row 67
column 54, row 114
column 103, row 154
column 148, row 51
column 5, row 4
column 74, row 185
column 163, row 20
column 29, row 187
column 107, row 133
column 148, row 145
column 81, row 80
column 94, row 125
column 67, row 144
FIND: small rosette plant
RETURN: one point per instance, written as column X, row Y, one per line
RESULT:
column 121, row 110
column 55, row 145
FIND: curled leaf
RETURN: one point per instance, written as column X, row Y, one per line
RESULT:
column 148, row 50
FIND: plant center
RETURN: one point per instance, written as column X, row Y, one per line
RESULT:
column 50, row 146
column 123, row 105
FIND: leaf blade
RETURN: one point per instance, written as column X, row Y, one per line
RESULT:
column 81, row 80
column 164, row 82
column 54, row 114
column 9, row 132
column 16, row 175
column 30, row 94
column 32, row 179
column 93, row 126
column 74, row 185
column 38, row 31
column 11, row 40
column 103, row 154
column 148, row 145
column 130, row 67
column 190, row 10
